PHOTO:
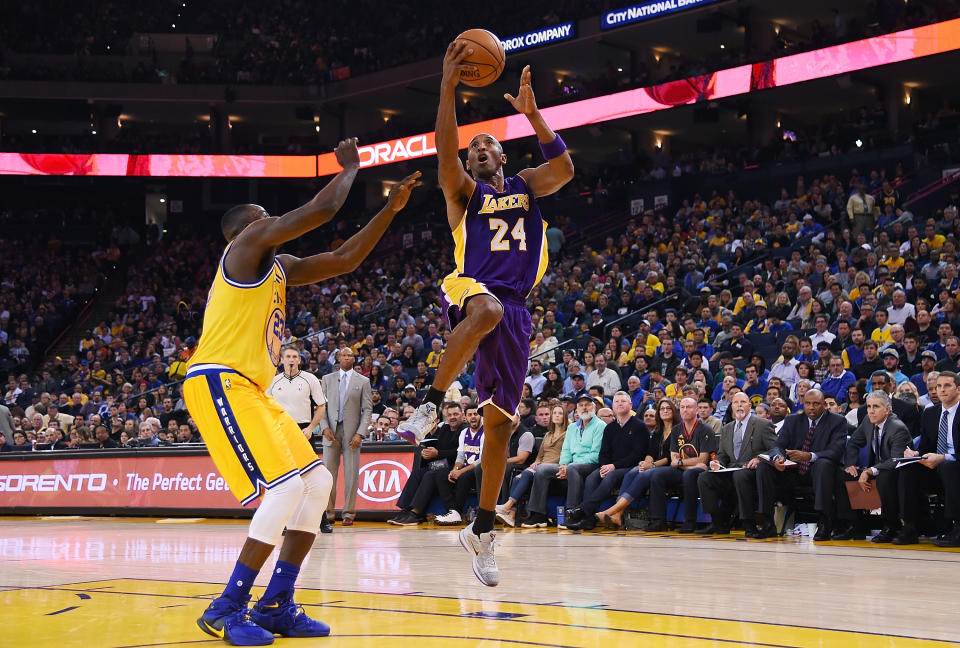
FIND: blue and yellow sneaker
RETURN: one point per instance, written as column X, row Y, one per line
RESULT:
column 287, row 619
column 229, row 620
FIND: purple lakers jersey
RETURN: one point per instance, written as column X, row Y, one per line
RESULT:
column 500, row 240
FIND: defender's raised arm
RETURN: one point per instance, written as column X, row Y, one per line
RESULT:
column 348, row 256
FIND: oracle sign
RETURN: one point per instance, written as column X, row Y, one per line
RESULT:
column 397, row 150
column 382, row 480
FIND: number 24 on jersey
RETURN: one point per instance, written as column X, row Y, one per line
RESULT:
column 499, row 243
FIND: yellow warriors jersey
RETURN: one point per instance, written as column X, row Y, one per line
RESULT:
column 243, row 325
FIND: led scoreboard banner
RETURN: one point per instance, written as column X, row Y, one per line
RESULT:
column 839, row 59
column 900, row 46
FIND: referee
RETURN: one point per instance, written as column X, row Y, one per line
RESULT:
column 293, row 389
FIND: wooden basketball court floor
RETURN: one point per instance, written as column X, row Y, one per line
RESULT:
column 93, row 582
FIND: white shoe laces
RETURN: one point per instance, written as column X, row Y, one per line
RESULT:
column 485, row 555
column 420, row 420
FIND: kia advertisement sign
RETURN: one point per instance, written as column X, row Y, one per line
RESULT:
column 382, row 480
column 169, row 482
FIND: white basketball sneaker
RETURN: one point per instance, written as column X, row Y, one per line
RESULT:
column 450, row 518
column 419, row 425
column 484, row 562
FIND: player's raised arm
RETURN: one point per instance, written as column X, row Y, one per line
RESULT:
column 456, row 183
column 348, row 256
column 558, row 170
column 269, row 233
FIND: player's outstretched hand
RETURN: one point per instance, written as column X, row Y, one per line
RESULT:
column 524, row 102
column 347, row 153
column 400, row 192
column 453, row 64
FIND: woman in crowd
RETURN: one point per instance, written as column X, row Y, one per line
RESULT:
column 800, row 388
column 907, row 391
column 409, row 360
column 855, row 398
column 816, row 308
column 549, row 453
column 612, row 356
column 588, row 364
column 553, row 388
column 806, row 372
column 637, row 481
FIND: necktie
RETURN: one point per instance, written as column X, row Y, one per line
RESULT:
column 807, row 444
column 344, row 384
column 737, row 439
column 942, row 436
column 876, row 442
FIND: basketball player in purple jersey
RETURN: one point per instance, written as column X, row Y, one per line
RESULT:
column 501, row 255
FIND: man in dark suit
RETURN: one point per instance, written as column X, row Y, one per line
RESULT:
column 885, row 437
column 813, row 440
column 907, row 411
column 939, row 471
column 741, row 441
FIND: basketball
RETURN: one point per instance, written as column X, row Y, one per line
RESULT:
column 488, row 57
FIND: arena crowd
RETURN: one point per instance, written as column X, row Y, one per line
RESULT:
column 767, row 311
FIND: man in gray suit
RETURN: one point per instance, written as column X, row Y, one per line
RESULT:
column 6, row 426
column 886, row 437
column 741, row 440
column 349, row 406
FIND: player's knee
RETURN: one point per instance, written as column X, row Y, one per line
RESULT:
column 318, row 483
column 316, row 493
column 277, row 507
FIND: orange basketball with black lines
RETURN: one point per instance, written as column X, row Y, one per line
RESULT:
column 488, row 58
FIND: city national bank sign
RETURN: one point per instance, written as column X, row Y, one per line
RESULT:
column 647, row 10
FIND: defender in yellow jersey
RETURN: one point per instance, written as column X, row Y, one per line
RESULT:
column 255, row 444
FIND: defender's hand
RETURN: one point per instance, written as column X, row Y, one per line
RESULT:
column 453, row 64
column 524, row 102
column 347, row 153
column 400, row 192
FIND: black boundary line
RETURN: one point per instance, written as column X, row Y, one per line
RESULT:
column 66, row 609
column 459, row 616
